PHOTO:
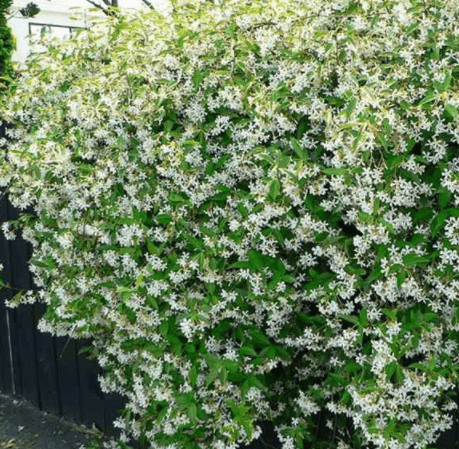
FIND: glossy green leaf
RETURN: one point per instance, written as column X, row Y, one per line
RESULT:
column 247, row 350
column 274, row 190
column 412, row 259
column 451, row 110
column 163, row 219
column 438, row 222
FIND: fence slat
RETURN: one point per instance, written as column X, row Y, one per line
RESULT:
column 91, row 395
column 5, row 375
column 46, row 360
column 67, row 371
column 26, row 324
column 6, row 371
column 27, row 354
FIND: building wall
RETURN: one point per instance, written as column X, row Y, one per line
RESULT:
column 60, row 17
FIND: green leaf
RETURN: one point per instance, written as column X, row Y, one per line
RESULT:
column 387, row 126
column 86, row 349
column 299, row 150
column 337, row 380
column 152, row 249
column 438, row 222
column 428, row 98
column 392, row 314
column 161, row 415
column 231, row 29
column 243, row 211
column 164, row 328
column 139, row 281
column 168, row 125
column 311, row 203
column 164, row 219
column 193, row 376
column 350, row 107
column 268, row 352
column 346, row 398
column 256, row 259
column 335, row 171
column 247, row 427
column 282, row 160
column 393, row 160
column 374, row 275
column 451, row 110
column 419, row 366
column 399, row 374
column 355, row 269
column 210, row 378
column 417, row 239
column 349, row 318
column 247, row 350
column 211, row 288
column 432, row 364
column 192, row 412
column 352, row 367
column 446, row 83
column 430, row 316
column 241, row 264
column 335, row 101
column 231, row 365
column 177, row 198
column 274, row 190
column 363, row 318
column 401, row 278
column 444, row 197
column 197, row 78
column 390, row 370
column 221, row 328
column 395, row 268
column 423, row 215
column 411, row 260
column 411, row 28
column 259, row 338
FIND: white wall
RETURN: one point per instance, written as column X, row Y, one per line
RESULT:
column 60, row 16
column 56, row 15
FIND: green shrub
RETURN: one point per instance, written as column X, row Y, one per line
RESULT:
column 6, row 45
column 252, row 209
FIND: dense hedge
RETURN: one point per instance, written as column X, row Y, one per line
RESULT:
column 252, row 208
column 6, row 45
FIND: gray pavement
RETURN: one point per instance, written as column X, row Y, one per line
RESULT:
column 23, row 426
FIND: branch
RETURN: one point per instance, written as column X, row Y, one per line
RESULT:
column 8, row 286
column 148, row 4
column 98, row 6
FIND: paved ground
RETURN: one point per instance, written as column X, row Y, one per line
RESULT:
column 23, row 426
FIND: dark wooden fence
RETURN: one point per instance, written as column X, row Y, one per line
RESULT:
column 49, row 371
column 39, row 367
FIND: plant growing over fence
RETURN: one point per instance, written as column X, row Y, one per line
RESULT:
column 252, row 209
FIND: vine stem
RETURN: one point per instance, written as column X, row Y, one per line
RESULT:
column 3, row 286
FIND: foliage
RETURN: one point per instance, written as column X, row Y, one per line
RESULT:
column 29, row 10
column 6, row 45
column 253, row 210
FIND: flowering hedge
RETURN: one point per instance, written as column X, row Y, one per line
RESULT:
column 252, row 209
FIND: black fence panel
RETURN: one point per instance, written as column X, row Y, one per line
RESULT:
column 49, row 371
column 45, row 370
